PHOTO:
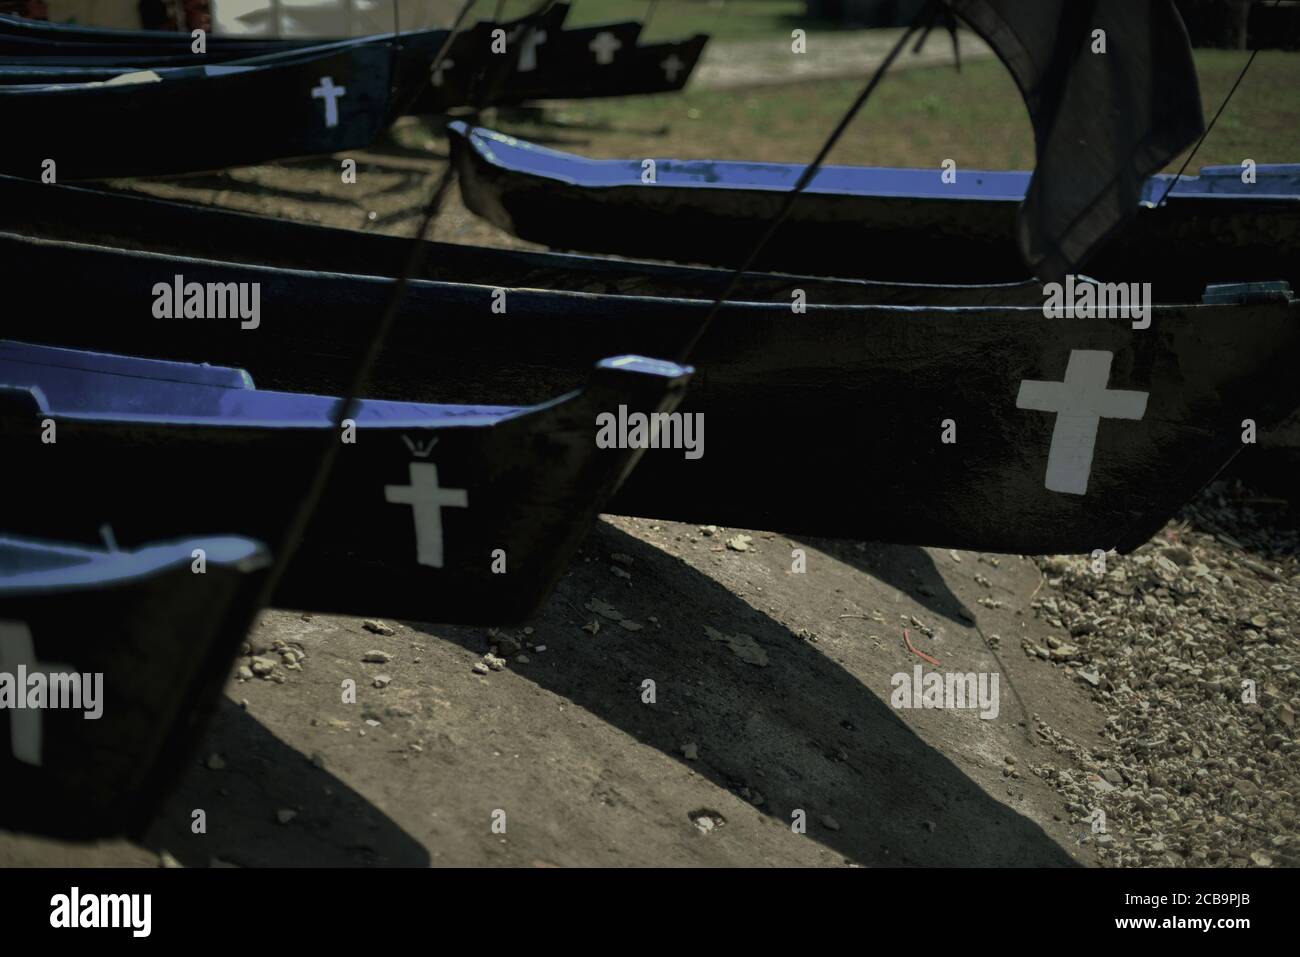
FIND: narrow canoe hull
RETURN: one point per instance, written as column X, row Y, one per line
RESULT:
column 892, row 224
column 831, row 422
column 163, row 639
column 452, row 514
column 551, row 63
column 224, row 116
column 210, row 232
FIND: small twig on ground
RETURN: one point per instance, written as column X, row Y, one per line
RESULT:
column 916, row 651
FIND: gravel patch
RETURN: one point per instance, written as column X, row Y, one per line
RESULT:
column 1190, row 646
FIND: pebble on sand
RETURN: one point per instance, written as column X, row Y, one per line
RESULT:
column 378, row 627
column 742, row 646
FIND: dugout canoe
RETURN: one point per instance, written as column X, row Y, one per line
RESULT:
column 929, row 425
column 450, row 513
column 551, row 62
column 136, row 221
column 322, row 100
column 145, row 635
column 871, row 222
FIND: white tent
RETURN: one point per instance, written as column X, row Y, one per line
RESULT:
column 326, row 18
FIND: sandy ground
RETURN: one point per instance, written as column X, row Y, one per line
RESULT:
column 587, row 772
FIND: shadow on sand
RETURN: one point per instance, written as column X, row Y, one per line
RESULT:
column 803, row 732
column 907, row 568
column 334, row 827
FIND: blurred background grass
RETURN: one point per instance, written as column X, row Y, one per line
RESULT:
column 918, row 117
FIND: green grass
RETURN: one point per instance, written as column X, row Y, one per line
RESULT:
column 918, row 117
column 731, row 20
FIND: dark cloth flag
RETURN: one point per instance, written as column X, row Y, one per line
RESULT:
column 1103, row 121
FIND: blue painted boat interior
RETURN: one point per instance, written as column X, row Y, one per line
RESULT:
column 94, row 385
column 27, row 565
column 508, row 152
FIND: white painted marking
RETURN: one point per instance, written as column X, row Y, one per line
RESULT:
column 129, row 79
column 528, row 50
column 440, row 69
column 1080, row 403
column 420, row 450
column 427, row 500
column 25, row 730
column 330, row 93
column 672, row 67
column 605, row 46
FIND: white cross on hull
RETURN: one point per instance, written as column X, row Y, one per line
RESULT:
column 331, row 94
column 427, row 500
column 528, row 50
column 442, row 68
column 1080, row 403
column 26, row 734
column 605, row 46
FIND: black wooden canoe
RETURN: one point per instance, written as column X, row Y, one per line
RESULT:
column 210, row 232
column 20, row 36
column 831, row 422
column 199, row 118
column 37, row 41
column 551, row 62
column 142, row 638
column 578, row 63
column 879, row 223
column 457, row 513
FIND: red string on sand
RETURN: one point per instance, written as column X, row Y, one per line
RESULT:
column 916, row 651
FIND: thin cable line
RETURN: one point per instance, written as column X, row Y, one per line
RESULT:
column 1187, row 162
column 805, row 178
column 346, row 404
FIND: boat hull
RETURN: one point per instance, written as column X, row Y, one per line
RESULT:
column 163, row 639
column 830, row 422
column 862, row 222
column 210, row 232
column 334, row 100
column 460, row 514
column 559, row 63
